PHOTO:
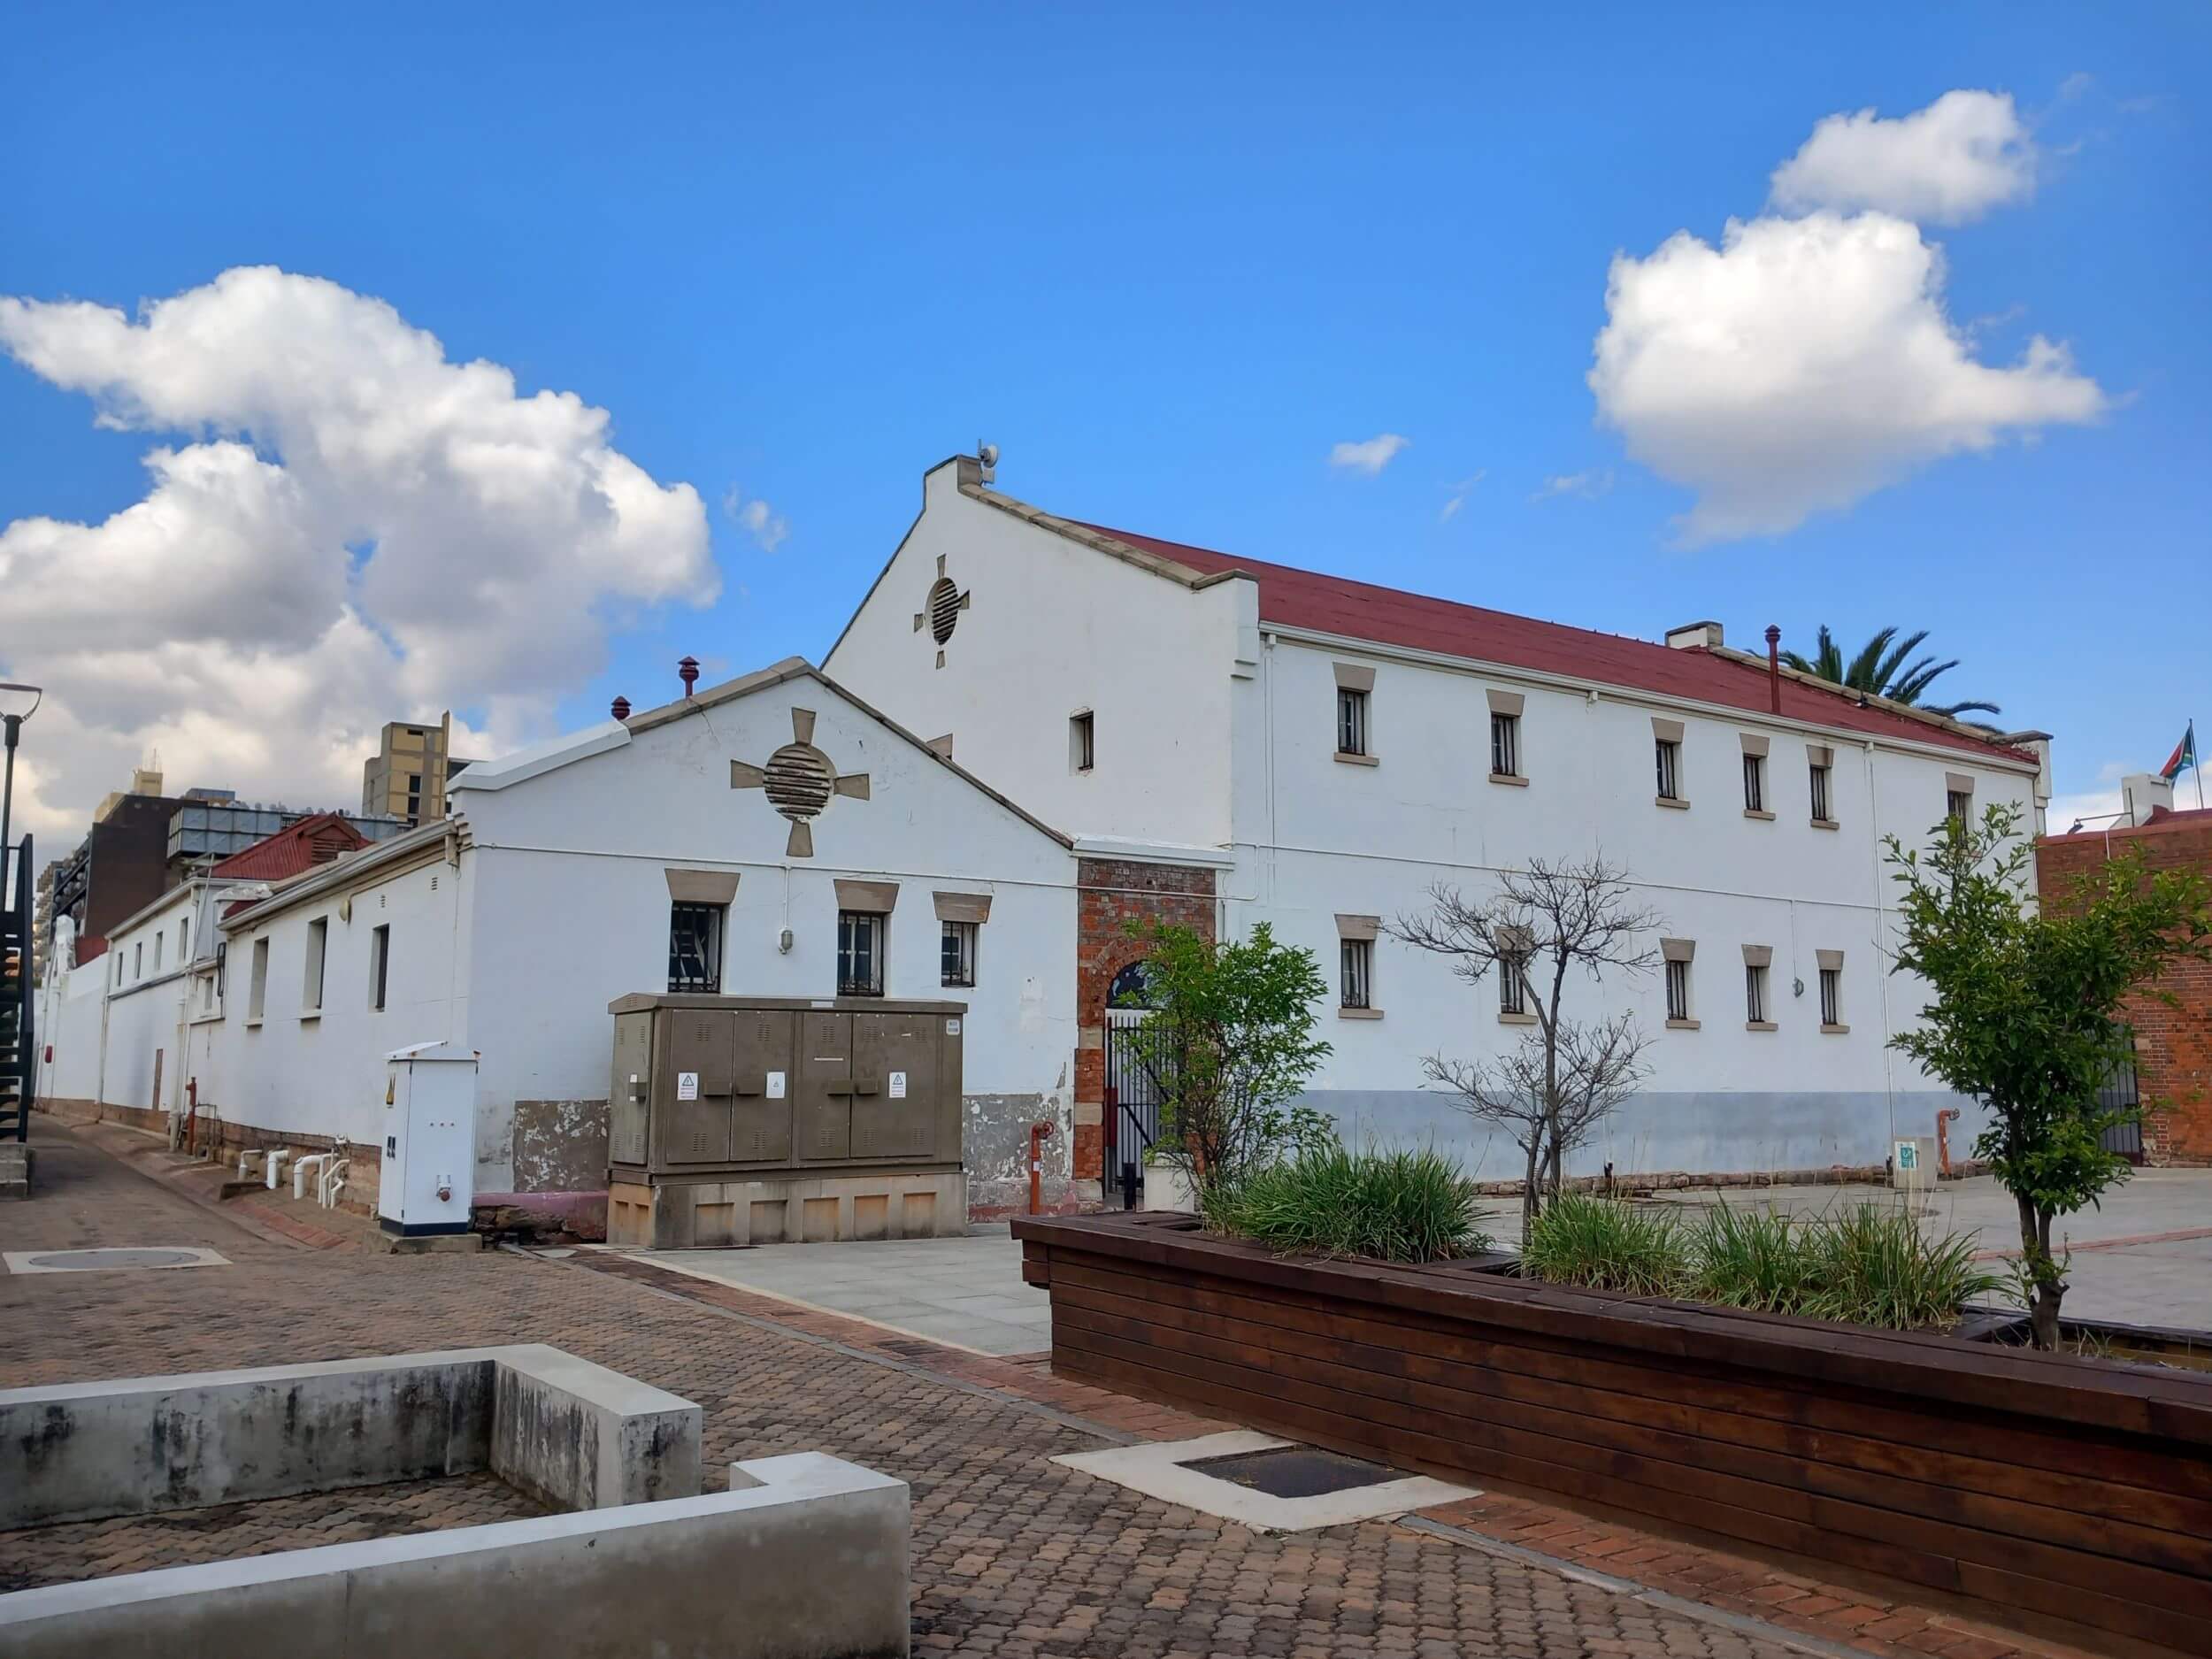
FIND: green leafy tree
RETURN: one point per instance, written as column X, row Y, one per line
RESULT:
column 1230, row 1048
column 1883, row 667
column 2027, row 1013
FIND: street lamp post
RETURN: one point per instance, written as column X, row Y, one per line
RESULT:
column 12, row 727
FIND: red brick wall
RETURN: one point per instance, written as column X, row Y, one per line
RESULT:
column 2173, row 1046
column 1111, row 893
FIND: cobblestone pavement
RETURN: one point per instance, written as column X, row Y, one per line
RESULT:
column 1013, row 1554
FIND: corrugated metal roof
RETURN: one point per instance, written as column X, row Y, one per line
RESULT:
column 298, row 847
column 1387, row 616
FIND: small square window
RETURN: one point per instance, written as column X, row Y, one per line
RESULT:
column 1358, row 956
column 1080, row 741
column 1831, row 996
column 1678, row 990
column 956, row 954
column 1505, row 745
column 694, row 948
column 1821, row 813
column 1755, row 995
column 1668, row 755
column 860, row 953
column 1755, row 783
column 1351, row 721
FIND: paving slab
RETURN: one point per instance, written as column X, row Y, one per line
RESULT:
column 966, row 1291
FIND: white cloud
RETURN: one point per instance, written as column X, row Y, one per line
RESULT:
column 1369, row 456
column 1804, row 364
column 354, row 530
column 1460, row 492
column 756, row 519
column 1964, row 154
column 1588, row 486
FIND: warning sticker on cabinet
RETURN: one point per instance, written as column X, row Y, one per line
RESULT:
column 952, row 1028
column 898, row 1085
column 687, row 1086
column 775, row 1085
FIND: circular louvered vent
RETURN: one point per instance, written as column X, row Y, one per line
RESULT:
column 799, row 779
column 944, row 609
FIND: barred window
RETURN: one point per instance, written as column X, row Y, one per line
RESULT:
column 1358, row 956
column 1831, row 996
column 1755, row 995
column 1755, row 783
column 1678, row 990
column 1820, row 795
column 1669, row 762
column 1351, row 721
column 956, row 954
column 694, row 948
column 1505, row 745
column 860, row 953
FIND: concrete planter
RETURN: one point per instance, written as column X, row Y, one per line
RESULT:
column 2064, row 1489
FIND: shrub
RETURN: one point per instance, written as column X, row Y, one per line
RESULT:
column 1748, row 1258
column 1387, row 1206
column 1874, row 1266
column 1605, row 1245
column 1866, row 1265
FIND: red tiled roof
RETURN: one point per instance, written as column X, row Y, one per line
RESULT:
column 297, row 846
column 1386, row 616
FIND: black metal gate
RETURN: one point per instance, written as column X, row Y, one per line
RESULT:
column 1132, row 1105
column 2119, row 1093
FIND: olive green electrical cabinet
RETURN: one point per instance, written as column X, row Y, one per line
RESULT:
column 738, row 1121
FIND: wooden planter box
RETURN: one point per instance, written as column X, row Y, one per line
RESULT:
column 2072, row 1488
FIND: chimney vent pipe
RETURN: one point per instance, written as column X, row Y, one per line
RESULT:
column 1774, row 669
column 687, row 671
column 621, row 708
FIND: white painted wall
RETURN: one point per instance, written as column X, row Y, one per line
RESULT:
column 572, row 905
column 319, row 1074
column 557, row 902
column 1053, row 628
column 72, row 1005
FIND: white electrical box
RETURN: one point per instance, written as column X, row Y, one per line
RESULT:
column 428, row 1179
column 1912, row 1165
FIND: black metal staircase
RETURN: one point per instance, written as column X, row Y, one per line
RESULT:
column 18, row 1001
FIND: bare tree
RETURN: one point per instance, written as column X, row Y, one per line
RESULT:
column 1565, row 1075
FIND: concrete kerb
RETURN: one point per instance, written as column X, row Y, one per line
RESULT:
column 807, row 1554
column 569, row 1431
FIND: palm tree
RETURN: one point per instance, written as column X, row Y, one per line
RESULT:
column 1880, row 669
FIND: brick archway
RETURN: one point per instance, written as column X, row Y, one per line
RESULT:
column 1112, row 894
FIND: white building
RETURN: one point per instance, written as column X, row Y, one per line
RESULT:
column 1335, row 748
column 1211, row 739
column 579, row 870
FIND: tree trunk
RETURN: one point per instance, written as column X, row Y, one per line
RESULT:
column 1532, row 1204
column 2044, row 1285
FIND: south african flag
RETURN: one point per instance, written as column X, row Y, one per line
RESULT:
column 2184, row 757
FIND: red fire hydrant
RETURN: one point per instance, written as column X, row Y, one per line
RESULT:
column 1037, row 1133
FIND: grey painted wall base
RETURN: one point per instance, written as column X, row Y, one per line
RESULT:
column 806, row 1557
column 567, row 1430
column 1703, row 1133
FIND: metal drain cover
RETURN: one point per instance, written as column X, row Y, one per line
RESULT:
column 1294, row 1471
column 112, row 1259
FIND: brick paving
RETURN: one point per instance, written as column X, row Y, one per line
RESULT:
column 1012, row 1555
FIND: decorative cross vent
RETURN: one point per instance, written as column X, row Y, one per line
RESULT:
column 940, row 609
column 800, row 781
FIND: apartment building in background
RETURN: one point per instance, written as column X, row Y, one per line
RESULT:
column 406, row 778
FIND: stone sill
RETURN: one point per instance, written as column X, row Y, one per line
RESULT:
column 1357, row 760
column 1682, row 1025
column 1753, row 811
column 1760, row 1025
column 1675, row 802
column 253, row 1025
column 1511, row 779
column 1359, row 1013
column 1825, row 823
column 310, row 1016
column 1835, row 1031
column 1505, row 1019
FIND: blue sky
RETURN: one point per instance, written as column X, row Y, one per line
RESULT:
column 1166, row 262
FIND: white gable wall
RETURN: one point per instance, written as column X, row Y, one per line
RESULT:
column 1053, row 628
column 572, row 904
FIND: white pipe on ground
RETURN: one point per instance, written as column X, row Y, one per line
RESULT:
column 276, row 1167
column 302, row 1168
